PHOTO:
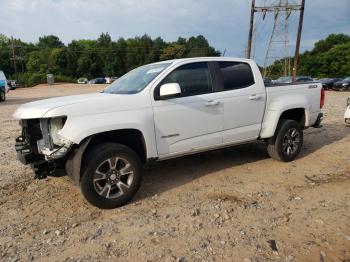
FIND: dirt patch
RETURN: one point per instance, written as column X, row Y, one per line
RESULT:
column 235, row 204
column 328, row 178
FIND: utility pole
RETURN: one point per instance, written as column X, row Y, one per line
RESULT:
column 251, row 25
column 280, row 28
column 297, row 46
column 12, row 46
column 15, row 57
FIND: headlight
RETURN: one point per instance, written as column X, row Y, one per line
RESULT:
column 55, row 126
column 345, row 84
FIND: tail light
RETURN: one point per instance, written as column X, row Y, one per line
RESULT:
column 323, row 97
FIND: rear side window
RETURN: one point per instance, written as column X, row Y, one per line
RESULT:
column 194, row 79
column 236, row 75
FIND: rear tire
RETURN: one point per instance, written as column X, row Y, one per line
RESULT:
column 287, row 142
column 111, row 175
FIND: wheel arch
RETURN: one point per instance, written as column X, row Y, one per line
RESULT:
column 270, row 127
column 297, row 114
column 130, row 137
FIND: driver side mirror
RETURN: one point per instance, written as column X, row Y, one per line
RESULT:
column 169, row 90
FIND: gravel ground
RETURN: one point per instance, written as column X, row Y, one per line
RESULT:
column 227, row 205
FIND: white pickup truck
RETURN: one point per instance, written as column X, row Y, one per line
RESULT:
column 160, row 111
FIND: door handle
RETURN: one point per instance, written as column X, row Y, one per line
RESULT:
column 212, row 103
column 255, row 97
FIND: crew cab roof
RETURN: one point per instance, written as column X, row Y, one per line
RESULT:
column 205, row 59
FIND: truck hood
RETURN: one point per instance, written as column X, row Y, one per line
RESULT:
column 95, row 103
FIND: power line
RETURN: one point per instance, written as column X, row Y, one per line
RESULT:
column 278, row 43
column 280, row 27
column 112, row 49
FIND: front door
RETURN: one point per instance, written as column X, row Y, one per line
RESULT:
column 192, row 121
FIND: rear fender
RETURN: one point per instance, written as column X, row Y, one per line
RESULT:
column 272, row 118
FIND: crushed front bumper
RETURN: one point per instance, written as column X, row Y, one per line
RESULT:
column 25, row 153
column 28, row 152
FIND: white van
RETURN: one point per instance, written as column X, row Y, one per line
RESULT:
column 3, row 86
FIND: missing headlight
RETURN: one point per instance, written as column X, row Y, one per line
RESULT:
column 55, row 125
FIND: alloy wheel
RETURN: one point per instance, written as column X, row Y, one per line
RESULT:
column 291, row 141
column 113, row 177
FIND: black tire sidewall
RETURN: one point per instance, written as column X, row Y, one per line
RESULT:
column 93, row 159
column 285, row 125
column 2, row 96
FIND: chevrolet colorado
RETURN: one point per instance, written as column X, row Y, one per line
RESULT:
column 160, row 111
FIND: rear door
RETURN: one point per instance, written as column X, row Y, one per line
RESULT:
column 243, row 101
column 195, row 119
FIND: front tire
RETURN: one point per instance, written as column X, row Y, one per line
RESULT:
column 287, row 142
column 111, row 175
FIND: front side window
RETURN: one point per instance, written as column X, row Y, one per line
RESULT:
column 194, row 79
column 236, row 75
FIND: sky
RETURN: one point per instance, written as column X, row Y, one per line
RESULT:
column 223, row 22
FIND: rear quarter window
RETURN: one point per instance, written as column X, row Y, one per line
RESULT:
column 236, row 75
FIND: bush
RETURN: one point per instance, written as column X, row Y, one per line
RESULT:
column 36, row 78
column 65, row 79
column 30, row 79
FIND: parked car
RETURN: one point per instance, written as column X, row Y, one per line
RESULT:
column 268, row 81
column 347, row 113
column 100, row 80
column 303, row 79
column 12, row 84
column 288, row 79
column 283, row 80
column 160, row 111
column 82, row 80
column 3, row 86
column 342, row 85
column 113, row 78
column 110, row 80
column 328, row 83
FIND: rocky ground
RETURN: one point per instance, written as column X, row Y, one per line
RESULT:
column 235, row 204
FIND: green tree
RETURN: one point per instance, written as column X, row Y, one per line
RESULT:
column 95, row 58
column 330, row 41
column 50, row 41
column 34, row 62
column 328, row 58
column 173, row 51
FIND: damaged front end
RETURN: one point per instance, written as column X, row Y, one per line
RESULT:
column 41, row 145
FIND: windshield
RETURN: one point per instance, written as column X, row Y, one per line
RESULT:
column 136, row 80
column 347, row 79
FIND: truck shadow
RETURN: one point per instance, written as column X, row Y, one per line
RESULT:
column 168, row 174
column 316, row 138
column 165, row 175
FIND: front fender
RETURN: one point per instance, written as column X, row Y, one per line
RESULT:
column 77, row 128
